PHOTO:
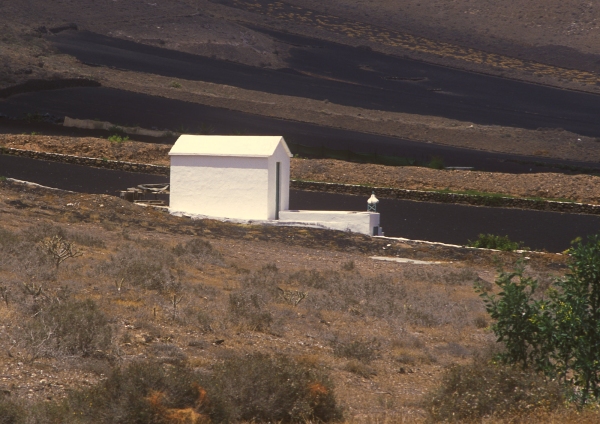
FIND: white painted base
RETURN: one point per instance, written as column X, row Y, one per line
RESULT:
column 357, row 222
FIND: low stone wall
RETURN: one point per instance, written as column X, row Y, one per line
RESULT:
column 96, row 162
column 358, row 190
column 431, row 196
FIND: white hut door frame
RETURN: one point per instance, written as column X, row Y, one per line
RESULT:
column 277, row 189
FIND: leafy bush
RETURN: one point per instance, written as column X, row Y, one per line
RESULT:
column 436, row 162
column 68, row 328
column 480, row 390
column 261, row 388
column 116, row 138
column 559, row 334
column 490, row 241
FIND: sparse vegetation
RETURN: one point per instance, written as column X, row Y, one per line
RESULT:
column 117, row 138
column 60, row 249
column 68, row 327
column 364, row 351
column 484, row 390
column 262, row 388
column 202, row 302
column 491, row 241
column 436, row 162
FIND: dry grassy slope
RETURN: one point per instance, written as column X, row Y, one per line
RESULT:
column 444, row 326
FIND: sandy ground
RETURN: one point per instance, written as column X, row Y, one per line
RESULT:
column 579, row 188
column 514, row 39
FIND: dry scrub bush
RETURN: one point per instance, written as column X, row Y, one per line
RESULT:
column 360, row 368
column 157, row 268
column 198, row 252
column 249, row 305
column 364, row 351
column 143, row 392
column 249, row 311
column 68, row 328
column 148, row 268
column 261, row 388
column 264, row 281
column 22, row 254
column 253, row 388
column 380, row 297
column 484, row 390
column 11, row 412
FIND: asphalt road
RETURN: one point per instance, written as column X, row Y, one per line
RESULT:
column 359, row 77
column 127, row 108
column 400, row 218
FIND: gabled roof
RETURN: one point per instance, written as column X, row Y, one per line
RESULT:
column 225, row 145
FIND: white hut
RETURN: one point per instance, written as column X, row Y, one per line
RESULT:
column 240, row 177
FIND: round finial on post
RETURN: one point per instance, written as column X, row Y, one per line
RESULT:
column 372, row 203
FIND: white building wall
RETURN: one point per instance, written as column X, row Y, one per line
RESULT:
column 280, row 155
column 220, row 186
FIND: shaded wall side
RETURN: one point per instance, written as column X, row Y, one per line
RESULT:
column 280, row 155
column 220, row 186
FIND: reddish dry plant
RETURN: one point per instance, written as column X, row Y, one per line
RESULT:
column 188, row 415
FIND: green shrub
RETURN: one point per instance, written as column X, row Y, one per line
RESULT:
column 557, row 334
column 261, row 388
column 116, row 138
column 490, row 241
column 436, row 162
column 481, row 390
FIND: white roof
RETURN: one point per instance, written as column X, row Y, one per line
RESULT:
column 227, row 145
